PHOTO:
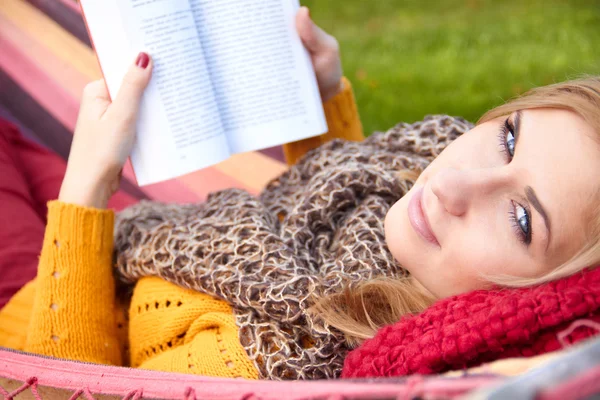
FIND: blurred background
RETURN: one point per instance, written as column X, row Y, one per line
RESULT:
column 409, row 58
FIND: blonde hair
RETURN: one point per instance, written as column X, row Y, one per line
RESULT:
column 359, row 312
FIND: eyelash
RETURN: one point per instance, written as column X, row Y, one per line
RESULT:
column 504, row 131
column 525, row 238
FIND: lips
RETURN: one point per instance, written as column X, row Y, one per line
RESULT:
column 418, row 218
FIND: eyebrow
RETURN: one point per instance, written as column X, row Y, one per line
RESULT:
column 535, row 202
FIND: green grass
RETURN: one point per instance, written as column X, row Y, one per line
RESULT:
column 411, row 58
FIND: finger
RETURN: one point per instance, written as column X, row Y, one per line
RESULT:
column 132, row 88
column 96, row 93
column 315, row 39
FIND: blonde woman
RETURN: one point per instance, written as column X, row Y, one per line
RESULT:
column 348, row 241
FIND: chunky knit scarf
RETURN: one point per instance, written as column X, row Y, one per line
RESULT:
column 482, row 326
column 313, row 231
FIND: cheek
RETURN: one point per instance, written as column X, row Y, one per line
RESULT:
column 470, row 254
column 474, row 256
column 395, row 235
column 463, row 264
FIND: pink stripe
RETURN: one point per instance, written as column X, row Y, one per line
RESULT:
column 65, row 74
column 211, row 180
column 171, row 191
column 44, row 90
column 101, row 379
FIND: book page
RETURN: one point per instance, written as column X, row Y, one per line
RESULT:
column 179, row 127
column 262, row 75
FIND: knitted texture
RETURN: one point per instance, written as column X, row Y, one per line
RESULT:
column 314, row 230
column 473, row 328
column 79, row 238
column 14, row 318
column 172, row 329
column 175, row 329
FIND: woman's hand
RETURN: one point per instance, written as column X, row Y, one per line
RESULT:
column 104, row 137
column 325, row 54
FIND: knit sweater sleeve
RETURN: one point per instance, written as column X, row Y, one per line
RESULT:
column 180, row 330
column 343, row 122
column 73, row 313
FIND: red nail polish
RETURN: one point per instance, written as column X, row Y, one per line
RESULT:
column 142, row 60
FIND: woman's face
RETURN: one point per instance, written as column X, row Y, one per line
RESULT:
column 511, row 197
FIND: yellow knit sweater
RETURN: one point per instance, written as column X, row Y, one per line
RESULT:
column 70, row 310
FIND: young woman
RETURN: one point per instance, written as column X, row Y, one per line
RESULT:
column 246, row 287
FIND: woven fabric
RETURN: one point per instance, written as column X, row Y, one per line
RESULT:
column 473, row 328
column 314, row 230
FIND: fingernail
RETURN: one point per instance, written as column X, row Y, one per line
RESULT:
column 309, row 16
column 142, row 61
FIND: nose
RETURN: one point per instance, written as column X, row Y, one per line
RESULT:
column 458, row 190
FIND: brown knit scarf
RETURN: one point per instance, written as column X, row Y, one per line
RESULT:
column 313, row 231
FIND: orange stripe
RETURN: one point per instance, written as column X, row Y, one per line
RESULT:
column 254, row 169
column 210, row 180
column 51, row 35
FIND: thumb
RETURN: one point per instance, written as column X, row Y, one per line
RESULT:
column 134, row 83
column 314, row 38
column 95, row 98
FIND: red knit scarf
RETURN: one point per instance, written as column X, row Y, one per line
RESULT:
column 470, row 329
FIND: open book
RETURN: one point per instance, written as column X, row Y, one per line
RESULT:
column 229, row 76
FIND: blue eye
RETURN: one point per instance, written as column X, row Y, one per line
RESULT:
column 510, row 143
column 507, row 140
column 521, row 221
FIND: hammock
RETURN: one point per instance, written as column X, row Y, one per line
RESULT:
column 574, row 375
column 45, row 61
